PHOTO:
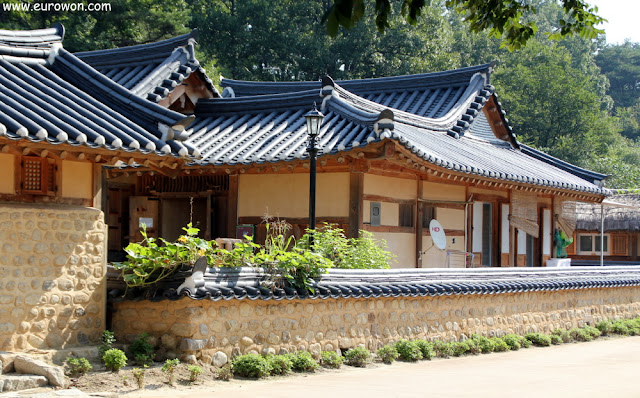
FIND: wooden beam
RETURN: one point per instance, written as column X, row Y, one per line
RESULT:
column 232, row 206
column 255, row 220
column 356, row 188
column 388, row 199
column 418, row 224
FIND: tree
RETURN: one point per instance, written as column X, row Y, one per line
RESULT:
column 508, row 19
column 621, row 65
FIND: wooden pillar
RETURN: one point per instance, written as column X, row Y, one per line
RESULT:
column 232, row 206
column 99, row 190
column 356, row 188
column 419, row 226
column 505, row 241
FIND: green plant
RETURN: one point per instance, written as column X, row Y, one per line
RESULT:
column 499, row 345
column 303, row 362
column 194, row 372
column 538, row 339
column 331, row 359
column 252, row 366
column 225, row 373
column 620, row 327
column 591, row 331
column 525, row 343
column 279, row 364
column 78, row 366
column 564, row 336
column 442, row 349
column 114, row 359
column 107, row 339
column 358, row 357
column 142, row 350
column 426, row 349
column 149, row 262
column 580, row 335
column 485, row 344
column 556, row 340
column 138, row 374
column 473, row 347
column 459, row 348
column 408, row 350
column 604, row 327
column 169, row 368
column 387, row 354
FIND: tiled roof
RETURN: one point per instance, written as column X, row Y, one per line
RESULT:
column 271, row 128
column 248, row 283
column 48, row 94
column 151, row 70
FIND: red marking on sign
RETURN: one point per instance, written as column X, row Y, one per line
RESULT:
column 435, row 229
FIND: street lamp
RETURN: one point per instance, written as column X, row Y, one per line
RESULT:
column 314, row 120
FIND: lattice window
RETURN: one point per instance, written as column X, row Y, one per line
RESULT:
column 406, row 215
column 38, row 176
column 620, row 245
column 428, row 214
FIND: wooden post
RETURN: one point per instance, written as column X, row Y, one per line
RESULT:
column 232, row 206
column 99, row 193
column 356, row 187
column 419, row 226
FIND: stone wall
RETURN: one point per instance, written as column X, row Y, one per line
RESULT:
column 216, row 330
column 52, row 285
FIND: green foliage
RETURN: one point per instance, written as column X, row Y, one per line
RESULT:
column 408, row 350
column 279, row 364
column 138, row 374
column 442, row 349
column 225, row 373
column 194, row 372
column 564, row 336
column 358, row 357
column 538, row 339
column 388, row 354
column 169, row 367
column 499, row 345
column 149, row 262
column 114, row 359
column 592, row 331
column 513, row 341
column 78, row 366
column 142, row 350
column 331, row 359
column 460, row 348
column 524, row 342
column 579, row 335
column 605, row 327
column 620, row 327
column 107, row 339
column 426, row 349
column 485, row 344
column 555, row 339
column 363, row 252
column 302, row 361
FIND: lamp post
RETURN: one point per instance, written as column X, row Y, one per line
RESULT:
column 314, row 120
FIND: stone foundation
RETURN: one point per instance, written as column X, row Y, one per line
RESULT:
column 213, row 331
column 52, row 285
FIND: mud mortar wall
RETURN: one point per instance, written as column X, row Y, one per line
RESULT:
column 217, row 330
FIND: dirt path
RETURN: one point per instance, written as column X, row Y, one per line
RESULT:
column 603, row 368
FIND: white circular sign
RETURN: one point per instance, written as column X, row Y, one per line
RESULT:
column 437, row 234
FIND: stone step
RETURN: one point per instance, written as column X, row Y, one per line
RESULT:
column 17, row 382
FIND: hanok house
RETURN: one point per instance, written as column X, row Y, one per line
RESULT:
column 395, row 153
column 167, row 73
column 60, row 122
column 620, row 216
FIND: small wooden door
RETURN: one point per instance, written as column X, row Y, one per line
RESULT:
column 143, row 209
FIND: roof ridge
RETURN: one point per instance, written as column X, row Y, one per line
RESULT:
column 258, row 103
column 30, row 46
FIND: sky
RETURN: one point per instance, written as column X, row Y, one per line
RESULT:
column 623, row 19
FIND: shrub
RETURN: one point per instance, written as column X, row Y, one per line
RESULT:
column 141, row 350
column 138, row 374
column 426, row 349
column 473, row 347
column 194, row 372
column 485, row 344
column 388, row 354
column 460, row 348
column 331, row 359
column 591, row 331
column 114, row 359
column 279, row 364
column 604, row 327
column 442, row 349
column 252, row 366
column 302, row 361
column 538, row 339
column 408, row 350
column 78, row 366
column 169, row 368
column 564, row 336
column 513, row 341
column 499, row 345
column 556, row 340
column 107, row 340
column 358, row 357
column 620, row 327
column 580, row 335
column 524, row 342
column 224, row 373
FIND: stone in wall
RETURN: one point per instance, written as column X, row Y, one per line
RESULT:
column 52, row 266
